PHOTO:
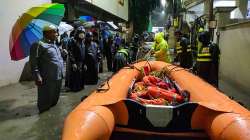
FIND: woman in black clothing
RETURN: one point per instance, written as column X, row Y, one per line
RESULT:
column 77, row 59
column 91, row 60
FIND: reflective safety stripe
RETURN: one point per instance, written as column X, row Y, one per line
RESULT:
column 204, row 59
column 178, row 48
column 189, row 48
column 124, row 51
column 203, row 54
column 180, row 51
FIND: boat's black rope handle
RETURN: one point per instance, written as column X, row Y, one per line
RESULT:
column 101, row 89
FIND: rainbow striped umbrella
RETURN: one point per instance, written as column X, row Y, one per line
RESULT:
column 28, row 28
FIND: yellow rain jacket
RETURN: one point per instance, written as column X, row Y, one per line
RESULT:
column 160, row 48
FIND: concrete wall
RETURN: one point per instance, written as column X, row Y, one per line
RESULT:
column 113, row 7
column 235, row 55
column 10, row 71
column 222, row 16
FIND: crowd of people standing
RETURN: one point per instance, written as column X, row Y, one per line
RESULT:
column 82, row 54
column 86, row 53
column 77, row 57
column 203, row 58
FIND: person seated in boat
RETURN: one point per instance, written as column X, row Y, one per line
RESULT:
column 160, row 49
column 121, row 57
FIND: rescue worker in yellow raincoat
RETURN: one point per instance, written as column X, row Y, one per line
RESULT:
column 160, row 49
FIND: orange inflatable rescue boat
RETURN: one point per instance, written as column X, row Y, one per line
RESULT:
column 195, row 109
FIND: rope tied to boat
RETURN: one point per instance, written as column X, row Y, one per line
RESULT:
column 129, row 66
column 100, row 89
column 174, row 69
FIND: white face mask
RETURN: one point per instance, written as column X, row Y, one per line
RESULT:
column 81, row 35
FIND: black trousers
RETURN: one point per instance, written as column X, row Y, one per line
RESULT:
column 48, row 94
column 91, row 75
column 209, row 72
column 186, row 60
column 76, row 78
column 108, row 55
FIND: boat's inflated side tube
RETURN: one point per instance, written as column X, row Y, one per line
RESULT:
column 222, row 125
column 94, row 123
column 96, row 116
column 219, row 116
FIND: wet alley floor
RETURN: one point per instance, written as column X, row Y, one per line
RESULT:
column 19, row 118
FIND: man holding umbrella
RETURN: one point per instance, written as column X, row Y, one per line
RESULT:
column 47, row 68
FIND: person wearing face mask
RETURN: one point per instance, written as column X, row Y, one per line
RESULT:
column 47, row 68
column 77, row 60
